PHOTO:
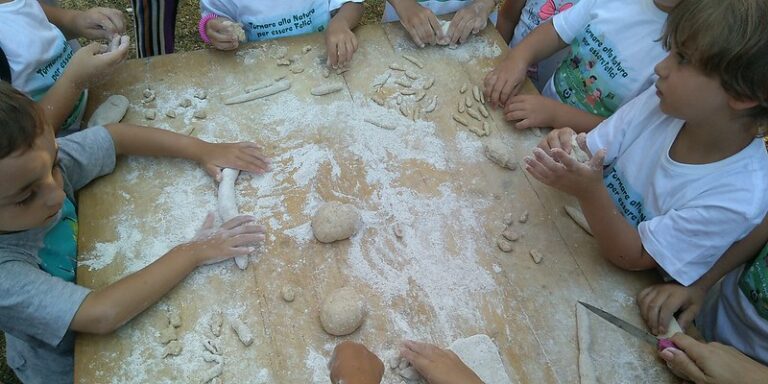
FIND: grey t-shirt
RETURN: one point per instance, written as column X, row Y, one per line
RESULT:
column 37, row 308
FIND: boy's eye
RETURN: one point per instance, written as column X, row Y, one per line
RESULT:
column 27, row 199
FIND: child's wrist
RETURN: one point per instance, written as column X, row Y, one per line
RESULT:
column 203, row 25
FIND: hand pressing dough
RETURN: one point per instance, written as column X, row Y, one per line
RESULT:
column 342, row 312
column 578, row 217
column 403, row 368
column 577, row 153
column 445, row 40
column 334, row 221
column 212, row 373
column 325, row 89
column 277, row 87
column 172, row 349
column 242, row 331
column 110, row 111
column 500, row 154
column 414, row 60
column 504, row 245
column 236, row 29
column 536, row 256
column 227, row 202
column 288, row 294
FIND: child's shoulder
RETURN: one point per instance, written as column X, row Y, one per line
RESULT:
column 86, row 155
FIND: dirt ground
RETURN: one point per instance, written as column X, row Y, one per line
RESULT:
column 187, row 39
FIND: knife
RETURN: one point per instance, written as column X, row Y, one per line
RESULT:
column 660, row 343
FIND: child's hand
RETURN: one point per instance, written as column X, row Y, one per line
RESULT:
column 340, row 43
column 505, row 80
column 658, row 303
column 531, row 111
column 561, row 171
column 222, row 34
column 562, row 139
column 245, row 156
column 100, row 23
column 419, row 21
column 236, row 237
column 471, row 19
column 92, row 63
column 436, row 365
column 353, row 363
column 712, row 363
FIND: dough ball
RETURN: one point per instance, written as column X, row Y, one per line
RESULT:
column 334, row 221
column 342, row 312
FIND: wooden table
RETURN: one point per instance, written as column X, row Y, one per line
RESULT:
column 445, row 279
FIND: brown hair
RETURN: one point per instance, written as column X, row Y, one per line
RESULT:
column 727, row 39
column 21, row 121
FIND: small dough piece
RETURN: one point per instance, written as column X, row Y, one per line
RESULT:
column 398, row 230
column 536, row 256
column 212, row 346
column 242, row 331
column 578, row 217
column 174, row 319
column 325, row 89
column 212, row 373
column 459, row 120
column 523, row 218
column 334, row 221
column 110, row 111
column 414, row 60
column 468, row 101
column 500, row 154
column 379, row 124
column 150, row 114
column 200, row 114
column 217, row 320
column 432, row 105
column 211, row 358
column 296, row 69
column 381, row 83
column 486, row 128
column 483, row 110
column 397, row 67
column 306, row 49
column 283, row 62
column 172, row 349
column 477, row 131
column 420, row 95
column 508, row 219
column 342, row 312
column 576, row 152
column 378, row 100
column 148, row 94
column 411, row 75
column 510, row 234
column 407, row 91
column 403, row 83
column 476, row 93
column 471, row 112
column 504, row 245
column 277, row 87
column 201, row 94
column 404, row 110
column 170, row 113
column 168, row 334
column 326, row 72
column 410, row 373
column 185, row 103
column 288, row 294
column 236, row 29
column 462, row 108
column 429, row 83
column 463, row 88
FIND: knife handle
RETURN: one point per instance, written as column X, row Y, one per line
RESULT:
column 664, row 344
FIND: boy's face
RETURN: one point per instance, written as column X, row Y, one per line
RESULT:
column 685, row 92
column 31, row 193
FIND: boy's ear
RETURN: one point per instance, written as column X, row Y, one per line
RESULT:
column 741, row 104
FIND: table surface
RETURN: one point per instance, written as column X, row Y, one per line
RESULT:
column 444, row 279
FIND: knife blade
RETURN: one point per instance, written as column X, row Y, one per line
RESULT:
column 660, row 343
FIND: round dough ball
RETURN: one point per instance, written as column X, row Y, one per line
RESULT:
column 334, row 221
column 342, row 312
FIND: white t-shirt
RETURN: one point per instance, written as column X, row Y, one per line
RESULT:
column 533, row 14
column 438, row 7
column 37, row 52
column 687, row 215
column 614, row 48
column 266, row 20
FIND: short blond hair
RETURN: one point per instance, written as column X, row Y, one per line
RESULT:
column 727, row 39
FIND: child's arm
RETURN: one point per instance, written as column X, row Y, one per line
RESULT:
column 94, row 24
column 712, row 363
column 441, row 366
column 619, row 242
column 87, row 67
column 506, row 79
column 658, row 303
column 353, row 363
column 419, row 21
column 541, row 111
column 471, row 19
column 340, row 41
column 509, row 16
column 105, row 310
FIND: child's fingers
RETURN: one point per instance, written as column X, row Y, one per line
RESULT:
column 237, row 221
column 434, row 24
column 682, row 360
column 596, row 161
column 524, row 124
column 114, row 22
column 426, row 350
column 537, row 170
column 686, row 317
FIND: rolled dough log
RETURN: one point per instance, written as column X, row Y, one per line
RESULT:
column 334, row 221
column 342, row 312
column 445, row 40
column 242, row 331
column 277, row 87
column 228, row 204
column 110, row 111
column 578, row 217
column 325, row 89
column 500, row 154
column 587, row 374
